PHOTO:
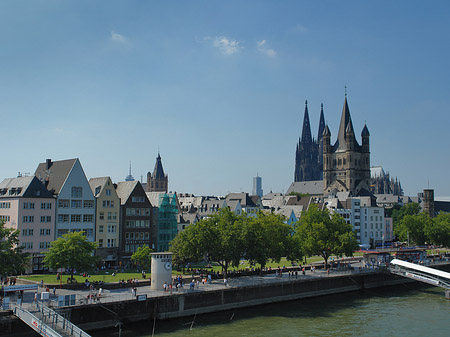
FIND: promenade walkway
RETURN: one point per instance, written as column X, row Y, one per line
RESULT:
column 123, row 294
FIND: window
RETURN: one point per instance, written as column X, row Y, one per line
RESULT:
column 109, row 215
column 28, row 218
column 111, row 228
column 63, row 203
column 100, row 229
column 88, row 231
column 111, row 242
column 76, row 203
column 108, row 203
column 63, row 218
column 27, row 245
column 46, row 205
column 44, row 231
column 102, row 215
column 4, row 218
column 88, row 204
column 5, row 205
column 44, row 245
column 138, row 199
column 114, row 216
column 27, row 232
column 46, row 218
column 75, row 218
column 88, row 218
column 108, row 192
column 28, row 205
column 77, row 192
column 100, row 243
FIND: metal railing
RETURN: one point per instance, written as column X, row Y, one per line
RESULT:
column 58, row 322
column 35, row 323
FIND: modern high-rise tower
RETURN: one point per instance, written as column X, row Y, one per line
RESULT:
column 257, row 186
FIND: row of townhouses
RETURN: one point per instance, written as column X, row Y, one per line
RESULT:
column 59, row 199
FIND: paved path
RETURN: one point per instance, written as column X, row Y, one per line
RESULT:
column 123, row 294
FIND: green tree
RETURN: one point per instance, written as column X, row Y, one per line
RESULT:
column 412, row 228
column 12, row 258
column 437, row 231
column 218, row 238
column 325, row 235
column 398, row 213
column 267, row 237
column 142, row 256
column 72, row 251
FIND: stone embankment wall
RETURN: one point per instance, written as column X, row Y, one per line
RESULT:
column 105, row 315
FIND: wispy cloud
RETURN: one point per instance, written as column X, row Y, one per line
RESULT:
column 61, row 131
column 118, row 37
column 225, row 45
column 299, row 28
column 262, row 47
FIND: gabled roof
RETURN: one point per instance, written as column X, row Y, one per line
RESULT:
column 98, row 182
column 244, row 199
column 55, row 173
column 233, row 204
column 313, row 187
column 124, row 190
column 188, row 218
column 23, row 187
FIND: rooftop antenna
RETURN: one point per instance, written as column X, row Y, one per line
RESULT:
column 345, row 90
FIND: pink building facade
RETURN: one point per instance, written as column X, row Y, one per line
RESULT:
column 27, row 206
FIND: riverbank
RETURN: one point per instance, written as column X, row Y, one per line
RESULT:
column 241, row 292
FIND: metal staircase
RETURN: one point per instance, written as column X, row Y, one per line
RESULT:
column 47, row 322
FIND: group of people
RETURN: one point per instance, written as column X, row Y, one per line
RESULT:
column 8, row 280
column 131, row 281
column 94, row 297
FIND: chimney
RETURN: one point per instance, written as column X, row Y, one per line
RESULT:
column 48, row 163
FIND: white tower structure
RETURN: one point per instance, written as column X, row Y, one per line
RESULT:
column 161, row 270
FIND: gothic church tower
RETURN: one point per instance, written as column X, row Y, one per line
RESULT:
column 308, row 154
column 158, row 182
column 346, row 164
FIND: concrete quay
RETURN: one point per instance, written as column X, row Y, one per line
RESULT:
column 119, row 305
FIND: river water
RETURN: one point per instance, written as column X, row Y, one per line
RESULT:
column 398, row 311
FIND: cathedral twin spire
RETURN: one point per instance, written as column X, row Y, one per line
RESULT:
column 308, row 156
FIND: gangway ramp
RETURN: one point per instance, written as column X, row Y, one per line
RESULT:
column 417, row 272
column 47, row 322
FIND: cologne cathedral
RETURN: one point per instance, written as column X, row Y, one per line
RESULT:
column 309, row 152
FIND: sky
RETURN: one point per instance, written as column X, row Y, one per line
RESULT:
column 219, row 87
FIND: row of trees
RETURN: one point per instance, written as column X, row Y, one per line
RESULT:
column 226, row 238
column 417, row 227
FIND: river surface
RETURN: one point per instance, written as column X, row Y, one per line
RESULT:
column 397, row 311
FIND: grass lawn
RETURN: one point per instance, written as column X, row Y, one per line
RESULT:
column 107, row 278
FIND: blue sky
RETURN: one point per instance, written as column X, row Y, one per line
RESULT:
column 219, row 87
